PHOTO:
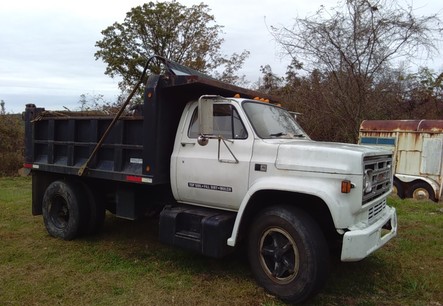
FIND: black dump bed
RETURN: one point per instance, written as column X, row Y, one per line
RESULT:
column 138, row 147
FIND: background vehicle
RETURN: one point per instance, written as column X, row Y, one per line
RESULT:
column 417, row 146
column 223, row 169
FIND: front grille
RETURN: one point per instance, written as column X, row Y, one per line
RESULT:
column 379, row 170
column 375, row 210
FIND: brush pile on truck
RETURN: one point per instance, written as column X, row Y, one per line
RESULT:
column 223, row 169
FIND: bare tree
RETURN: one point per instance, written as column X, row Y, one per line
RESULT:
column 352, row 44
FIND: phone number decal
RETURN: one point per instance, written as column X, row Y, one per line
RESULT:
column 210, row 187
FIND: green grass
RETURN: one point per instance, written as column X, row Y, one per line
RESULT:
column 126, row 265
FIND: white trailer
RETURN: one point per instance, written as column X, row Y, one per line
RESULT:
column 417, row 147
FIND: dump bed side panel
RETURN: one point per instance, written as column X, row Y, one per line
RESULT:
column 63, row 144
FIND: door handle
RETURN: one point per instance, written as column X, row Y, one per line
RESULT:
column 183, row 143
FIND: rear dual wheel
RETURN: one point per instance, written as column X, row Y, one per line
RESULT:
column 70, row 209
column 63, row 209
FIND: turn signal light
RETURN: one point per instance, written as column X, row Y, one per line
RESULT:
column 346, row 186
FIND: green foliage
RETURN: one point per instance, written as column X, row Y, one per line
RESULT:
column 11, row 144
column 231, row 66
column 187, row 35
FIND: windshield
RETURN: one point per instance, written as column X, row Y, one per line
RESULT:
column 270, row 121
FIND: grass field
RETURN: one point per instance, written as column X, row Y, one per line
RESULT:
column 125, row 265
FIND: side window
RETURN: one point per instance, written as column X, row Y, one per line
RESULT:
column 193, row 127
column 237, row 126
column 227, row 123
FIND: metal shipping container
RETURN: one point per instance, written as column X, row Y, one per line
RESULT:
column 418, row 151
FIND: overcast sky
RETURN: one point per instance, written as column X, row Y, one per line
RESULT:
column 47, row 47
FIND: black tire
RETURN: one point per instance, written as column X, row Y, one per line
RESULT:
column 421, row 191
column 288, row 253
column 398, row 189
column 94, row 212
column 63, row 210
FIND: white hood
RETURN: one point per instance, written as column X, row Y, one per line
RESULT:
column 324, row 157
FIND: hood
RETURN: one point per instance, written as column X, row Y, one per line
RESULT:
column 324, row 157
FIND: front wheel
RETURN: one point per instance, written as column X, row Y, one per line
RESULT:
column 288, row 253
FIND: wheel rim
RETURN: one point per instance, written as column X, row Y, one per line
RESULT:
column 420, row 194
column 279, row 255
column 394, row 190
column 59, row 212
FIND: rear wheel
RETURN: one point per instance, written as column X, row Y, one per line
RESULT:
column 288, row 254
column 421, row 191
column 63, row 209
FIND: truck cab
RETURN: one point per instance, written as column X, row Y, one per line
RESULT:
column 254, row 150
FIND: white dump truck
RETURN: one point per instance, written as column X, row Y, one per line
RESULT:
column 224, row 168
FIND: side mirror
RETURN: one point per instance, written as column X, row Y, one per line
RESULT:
column 206, row 118
column 205, row 115
column 202, row 140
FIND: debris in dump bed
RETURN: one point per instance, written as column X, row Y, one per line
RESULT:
column 76, row 114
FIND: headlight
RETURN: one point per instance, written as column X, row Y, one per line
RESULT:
column 367, row 181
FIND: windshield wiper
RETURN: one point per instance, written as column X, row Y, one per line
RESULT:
column 290, row 135
column 278, row 134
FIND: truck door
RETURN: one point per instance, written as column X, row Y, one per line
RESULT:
column 216, row 174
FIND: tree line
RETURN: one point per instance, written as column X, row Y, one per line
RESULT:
column 11, row 142
column 328, row 116
column 348, row 63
